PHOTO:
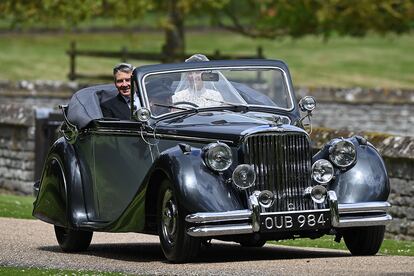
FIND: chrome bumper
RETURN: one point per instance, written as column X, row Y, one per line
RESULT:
column 248, row 221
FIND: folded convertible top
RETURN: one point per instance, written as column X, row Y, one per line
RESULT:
column 84, row 106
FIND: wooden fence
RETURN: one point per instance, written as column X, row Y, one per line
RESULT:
column 124, row 55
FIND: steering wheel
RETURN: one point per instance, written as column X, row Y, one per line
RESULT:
column 186, row 103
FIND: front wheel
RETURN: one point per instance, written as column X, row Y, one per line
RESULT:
column 176, row 244
column 364, row 241
column 73, row 240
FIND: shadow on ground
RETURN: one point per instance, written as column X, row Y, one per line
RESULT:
column 214, row 253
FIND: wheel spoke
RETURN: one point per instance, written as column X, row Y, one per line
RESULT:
column 169, row 217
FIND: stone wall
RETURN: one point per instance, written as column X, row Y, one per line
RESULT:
column 381, row 111
column 19, row 103
column 378, row 110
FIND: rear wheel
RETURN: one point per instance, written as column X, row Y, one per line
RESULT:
column 364, row 240
column 176, row 244
column 73, row 240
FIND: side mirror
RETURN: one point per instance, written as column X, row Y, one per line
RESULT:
column 307, row 104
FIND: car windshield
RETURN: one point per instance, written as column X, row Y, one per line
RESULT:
column 190, row 89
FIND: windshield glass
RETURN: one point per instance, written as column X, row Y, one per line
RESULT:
column 175, row 91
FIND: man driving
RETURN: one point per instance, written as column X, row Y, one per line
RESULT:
column 120, row 106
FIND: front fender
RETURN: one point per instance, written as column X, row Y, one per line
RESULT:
column 60, row 200
column 198, row 189
column 367, row 180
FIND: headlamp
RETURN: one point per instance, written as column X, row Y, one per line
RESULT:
column 218, row 156
column 244, row 176
column 322, row 171
column 342, row 153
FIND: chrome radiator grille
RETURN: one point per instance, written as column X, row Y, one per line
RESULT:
column 283, row 165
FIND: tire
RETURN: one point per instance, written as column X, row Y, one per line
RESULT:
column 176, row 244
column 364, row 241
column 73, row 240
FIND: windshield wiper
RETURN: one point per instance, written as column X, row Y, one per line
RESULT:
column 176, row 115
column 235, row 105
column 174, row 106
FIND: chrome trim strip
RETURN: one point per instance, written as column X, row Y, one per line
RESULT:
column 218, row 216
column 364, row 221
column 341, row 214
column 113, row 131
column 219, row 230
column 157, row 136
column 378, row 206
column 190, row 138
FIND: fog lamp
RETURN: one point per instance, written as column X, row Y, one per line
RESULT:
column 244, row 176
column 218, row 156
column 317, row 193
column 266, row 198
column 143, row 114
column 342, row 153
column 322, row 171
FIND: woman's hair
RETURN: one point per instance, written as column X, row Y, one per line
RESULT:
column 197, row 58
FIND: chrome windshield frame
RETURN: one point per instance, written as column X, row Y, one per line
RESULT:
column 289, row 89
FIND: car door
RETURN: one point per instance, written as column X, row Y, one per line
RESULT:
column 116, row 160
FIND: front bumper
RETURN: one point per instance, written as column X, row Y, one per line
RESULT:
column 247, row 221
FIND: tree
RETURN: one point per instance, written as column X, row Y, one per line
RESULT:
column 254, row 18
column 275, row 18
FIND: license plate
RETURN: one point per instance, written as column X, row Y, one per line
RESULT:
column 292, row 221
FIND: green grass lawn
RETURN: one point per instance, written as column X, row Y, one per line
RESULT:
column 373, row 61
column 21, row 207
column 389, row 247
column 14, row 206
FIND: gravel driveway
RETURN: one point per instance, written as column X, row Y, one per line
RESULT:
column 31, row 243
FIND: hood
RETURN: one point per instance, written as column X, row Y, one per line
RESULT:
column 223, row 125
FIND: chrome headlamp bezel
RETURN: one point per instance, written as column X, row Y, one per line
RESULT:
column 342, row 153
column 307, row 103
column 143, row 114
column 322, row 167
column 244, row 176
column 218, row 156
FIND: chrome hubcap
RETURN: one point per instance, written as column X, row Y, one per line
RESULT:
column 169, row 216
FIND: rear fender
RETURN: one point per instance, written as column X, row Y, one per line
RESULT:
column 60, row 200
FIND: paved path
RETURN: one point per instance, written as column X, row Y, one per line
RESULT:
column 31, row 243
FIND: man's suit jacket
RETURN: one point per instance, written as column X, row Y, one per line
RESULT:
column 116, row 108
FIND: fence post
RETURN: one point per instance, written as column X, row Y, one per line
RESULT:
column 72, row 61
column 259, row 55
column 124, row 54
column 216, row 54
column 260, row 52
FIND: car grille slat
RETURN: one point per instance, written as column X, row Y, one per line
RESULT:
column 282, row 163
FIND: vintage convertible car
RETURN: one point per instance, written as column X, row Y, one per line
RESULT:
column 217, row 150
